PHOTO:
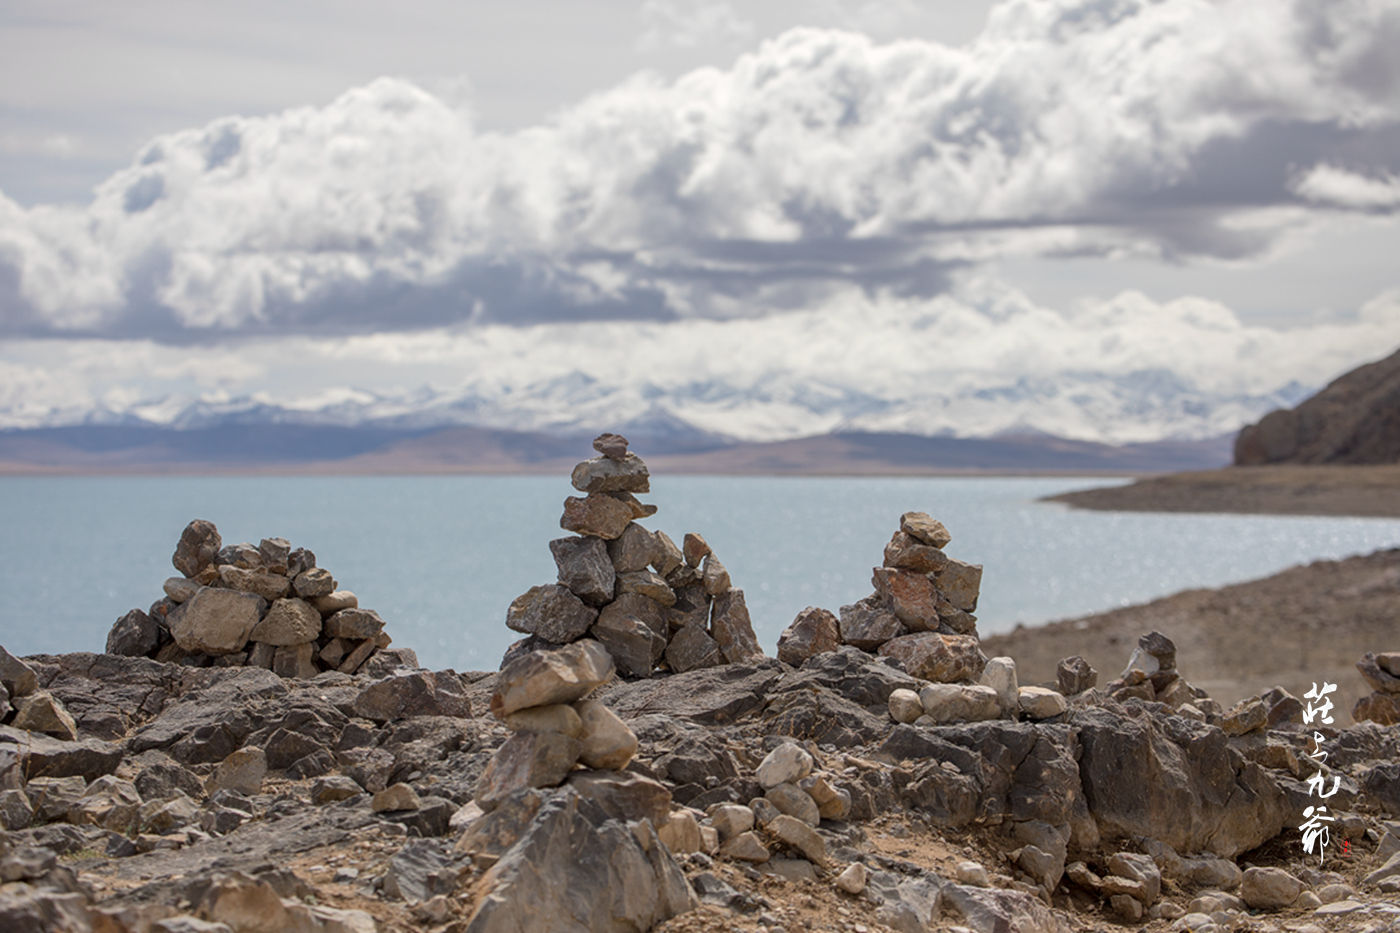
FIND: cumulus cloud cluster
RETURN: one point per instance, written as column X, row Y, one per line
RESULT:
column 803, row 228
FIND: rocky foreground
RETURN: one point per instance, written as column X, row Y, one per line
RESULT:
column 246, row 760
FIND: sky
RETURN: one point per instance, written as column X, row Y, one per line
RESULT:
column 1115, row 220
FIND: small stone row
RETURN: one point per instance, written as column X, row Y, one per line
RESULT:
column 266, row 606
column 997, row 695
column 1382, row 674
column 920, row 614
column 653, row 605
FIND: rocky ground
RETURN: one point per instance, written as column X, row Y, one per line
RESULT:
column 1302, row 625
column 233, row 799
column 1372, row 490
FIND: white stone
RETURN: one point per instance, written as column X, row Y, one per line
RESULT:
column 973, row 874
column 904, row 705
column 945, row 703
column 853, row 879
column 1041, row 702
column 1000, row 675
column 786, row 764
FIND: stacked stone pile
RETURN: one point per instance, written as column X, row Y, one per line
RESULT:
column 1151, row 675
column 653, row 605
column 920, row 614
column 1382, row 674
column 264, row 606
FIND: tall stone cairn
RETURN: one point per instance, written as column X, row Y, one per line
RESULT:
column 653, row 605
column 920, row 614
column 266, row 605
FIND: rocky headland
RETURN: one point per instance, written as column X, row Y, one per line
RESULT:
column 882, row 772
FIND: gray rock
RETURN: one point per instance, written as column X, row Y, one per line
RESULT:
column 606, row 741
column 635, row 645
column 600, row 515
column 288, row 622
column 562, row 675
column 691, row 649
column 134, row 635
column 276, row 553
column 668, row 557
column 242, row 555
column 868, row 624
column 1139, row 868
column 1378, row 678
column 1000, row 675
column 692, row 607
column 623, row 795
column 541, row 885
column 584, row 567
column 1073, row 675
column 936, row 657
column 604, row 474
column 911, row 596
column 295, row 661
column 795, row 802
column 814, row 631
column 745, row 847
column 242, row 771
column 904, row 706
column 786, row 764
column 730, row 819
column 800, row 836
column 42, row 712
column 612, row 446
column 526, row 760
column 199, row 545
column 179, row 589
column 299, row 561
column 645, row 583
column 923, row 528
column 552, row 612
column 216, row 621
column 1269, row 888
column 731, row 628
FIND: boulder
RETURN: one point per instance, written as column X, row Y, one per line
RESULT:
column 635, row 549
column 935, row 657
column 905, row 552
column 691, row 649
column 799, row 836
column 692, row 607
column 623, row 795
column 786, row 764
column 1073, row 675
column 868, row 625
column 295, row 661
column 1269, row 888
column 540, row 884
column 41, row 711
column 1248, row 715
column 600, row 515
column 606, row 740
column 668, row 558
column 239, row 555
column 584, row 567
column 745, row 847
column 1041, row 702
column 198, row 547
column 354, row 623
column 795, row 802
column 135, row 634
column 945, row 703
column 924, row 529
column 814, row 631
column 526, row 760
column 242, row 771
column 418, row 693
column 562, row 675
column 288, row 622
column 1000, row 675
column 730, row 819
column 904, row 705
column 276, row 554
column 332, row 603
column 604, row 474
column 911, row 596
column 731, row 628
column 180, row 589
column 17, row 677
column 552, row 612
column 216, row 621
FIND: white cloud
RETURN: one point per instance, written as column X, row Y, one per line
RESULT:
column 980, row 360
column 1334, row 186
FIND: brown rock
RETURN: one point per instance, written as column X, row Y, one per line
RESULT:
column 911, row 596
column 199, row 545
column 645, row 583
column 640, row 607
column 692, row 607
column 635, row 549
column 276, row 554
column 551, row 612
column 612, row 446
column 242, row 771
column 713, row 577
column 813, row 631
column 1379, row 679
column 1389, row 661
column 216, row 621
column 867, row 624
column 607, row 742
column 40, row 711
column 419, row 693
column 18, row 677
column 359, row 655
column 354, row 623
column 179, row 589
column 694, row 549
column 604, row 474
column 313, row 582
column 556, row 717
column 1383, row 708
column 562, row 675
column 134, row 634
column 240, row 555
column 584, row 567
column 269, row 586
column 1247, row 715
column 331, row 604
column 288, row 622
column 668, row 557
column 937, row 658
column 638, row 508
column 731, row 628
column 691, row 649
column 395, row 797
column 599, row 515
column 960, row 584
column 625, row 796
column 905, row 552
column 923, row 528
column 526, row 760
column 1074, row 676
column 295, row 661
column 635, row 646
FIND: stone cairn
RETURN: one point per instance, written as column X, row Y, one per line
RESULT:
column 651, row 604
column 1382, row 674
column 266, row 606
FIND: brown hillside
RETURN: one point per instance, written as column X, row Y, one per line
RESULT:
column 1356, row 419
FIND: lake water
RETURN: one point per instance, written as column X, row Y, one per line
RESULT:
column 441, row 558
